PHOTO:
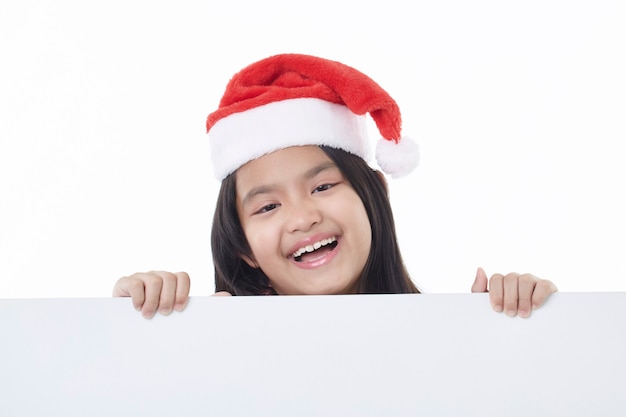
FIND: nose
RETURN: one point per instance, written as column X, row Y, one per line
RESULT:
column 303, row 215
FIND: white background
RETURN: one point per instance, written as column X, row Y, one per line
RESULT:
column 518, row 108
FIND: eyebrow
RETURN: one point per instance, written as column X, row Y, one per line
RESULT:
column 310, row 173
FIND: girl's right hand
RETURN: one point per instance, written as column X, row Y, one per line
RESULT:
column 155, row 291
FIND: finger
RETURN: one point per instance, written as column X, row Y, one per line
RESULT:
column 183, row 283
column 120, row 290
column 511, row 294
column 526, row 287
column 136, row 291
column 543, row 289
column 496, row 291
column 152, row 284
column 130, row 287
column 168, row 292
column 480, row 283
column 222, row 294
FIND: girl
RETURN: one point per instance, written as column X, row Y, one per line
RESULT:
column 300, row 211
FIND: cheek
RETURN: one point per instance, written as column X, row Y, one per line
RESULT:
column 260, row 238
column 362, row 225
column 355, row 211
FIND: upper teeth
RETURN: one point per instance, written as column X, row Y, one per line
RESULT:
column 314, row 246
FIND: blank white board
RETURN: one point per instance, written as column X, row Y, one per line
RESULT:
column 368, row 355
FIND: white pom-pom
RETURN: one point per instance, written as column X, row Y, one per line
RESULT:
column 397, row 159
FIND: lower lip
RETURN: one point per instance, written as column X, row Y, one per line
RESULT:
column 324, row 260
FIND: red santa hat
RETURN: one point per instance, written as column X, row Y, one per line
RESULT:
column 291, row 100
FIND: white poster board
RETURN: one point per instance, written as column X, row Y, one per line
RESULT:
column 379, row 355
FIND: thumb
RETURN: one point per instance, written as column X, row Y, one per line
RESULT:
column 480, row 283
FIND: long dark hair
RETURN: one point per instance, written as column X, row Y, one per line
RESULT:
column 384, row 271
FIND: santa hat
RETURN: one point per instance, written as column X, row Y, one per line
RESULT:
column 291, row 99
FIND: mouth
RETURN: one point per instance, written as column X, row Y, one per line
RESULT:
column 315, row 250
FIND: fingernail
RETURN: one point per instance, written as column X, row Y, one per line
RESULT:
column 523, row 313
column 497, row 308
column 510, row 313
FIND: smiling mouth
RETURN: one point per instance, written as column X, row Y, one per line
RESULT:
column 316, row 250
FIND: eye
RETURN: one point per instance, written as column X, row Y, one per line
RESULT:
column 323, row 187
column 266, row 208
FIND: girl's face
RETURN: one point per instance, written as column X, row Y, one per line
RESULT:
column 306, row 226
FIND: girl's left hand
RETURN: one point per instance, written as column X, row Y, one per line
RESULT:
column 515, row 294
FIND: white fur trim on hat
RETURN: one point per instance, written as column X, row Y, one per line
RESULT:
column 244, row 136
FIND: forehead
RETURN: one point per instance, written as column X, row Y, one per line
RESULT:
column 280, row 165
